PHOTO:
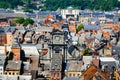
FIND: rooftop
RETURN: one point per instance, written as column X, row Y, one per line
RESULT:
column 13, row 65
column 12, row 15
column 74, row 66
column 30, row 49
column 91, row 27
column 56, row 62
column 107, row 59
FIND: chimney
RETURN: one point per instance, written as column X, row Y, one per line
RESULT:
column 5, row 49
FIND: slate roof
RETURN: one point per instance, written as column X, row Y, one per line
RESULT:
column 6, row 11
column 48, row 12
column 44, row 29
column 13, row 65
column 109, row 15
column 11, row 15
column 74, row 66
column 91, row 27
column 56, row 64
column 93, row 13
column 116, row 49
column 71, row 78
column 2, row 60
column 31, row 15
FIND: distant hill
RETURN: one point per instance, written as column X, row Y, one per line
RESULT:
column 14, row 3
column 82, row 4
column 61, row 4
column 10, row 3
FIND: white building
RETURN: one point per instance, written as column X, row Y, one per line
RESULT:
column 15, row 77
column 69, row 12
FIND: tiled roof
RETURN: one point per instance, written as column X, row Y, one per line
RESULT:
column 72, row 28
column 106, row 34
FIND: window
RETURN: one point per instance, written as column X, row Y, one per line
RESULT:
column 9, row 73
column 78, row 75
column 58, row 75
column 54, row 74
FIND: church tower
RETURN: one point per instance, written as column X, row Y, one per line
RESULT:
column 16, row 50
column 58, row 54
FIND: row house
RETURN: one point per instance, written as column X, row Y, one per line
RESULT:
column 85, row 17
column 6, row 37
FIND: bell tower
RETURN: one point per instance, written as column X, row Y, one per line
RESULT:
column 58, row 44
column 57, row 54
column 16, row 50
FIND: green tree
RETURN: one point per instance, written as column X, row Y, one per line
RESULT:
column 10, row 55
column 80, row 26
column 20, row 20
column 28, row 21
column 86, row 52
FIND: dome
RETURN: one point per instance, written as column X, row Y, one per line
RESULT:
column 70, row 10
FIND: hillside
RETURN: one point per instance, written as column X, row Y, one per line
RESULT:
column 82, row 4
column 61, row 4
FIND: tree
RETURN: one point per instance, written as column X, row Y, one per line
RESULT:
column 20, row 20
column 23, row 21
column 10, row 55
column 80, row 26
column 86, row 52
column 28, row 21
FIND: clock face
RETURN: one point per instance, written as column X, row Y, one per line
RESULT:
column 57, row 40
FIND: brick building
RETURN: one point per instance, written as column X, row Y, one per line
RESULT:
column 6, row 37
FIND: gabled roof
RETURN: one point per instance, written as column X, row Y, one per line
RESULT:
column 89, row 73
column 56, row 31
